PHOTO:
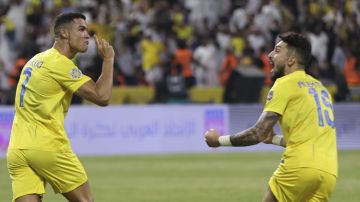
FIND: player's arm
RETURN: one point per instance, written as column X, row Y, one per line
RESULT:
column 275, row 139
column 100, row 92
column 251, row 136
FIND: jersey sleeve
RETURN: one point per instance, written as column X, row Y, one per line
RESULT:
column 277, row 99
column 69, row 76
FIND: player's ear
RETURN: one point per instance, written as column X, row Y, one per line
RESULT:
column 64, row 33
column 291, row 61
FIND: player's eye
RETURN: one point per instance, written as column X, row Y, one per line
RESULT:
column 82, row 29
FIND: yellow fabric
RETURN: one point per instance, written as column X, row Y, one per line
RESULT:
column 60, row 3
column 178, row 18
column 9, row 25
column 31, row 169
column 150, row 53
column 314, row 8
column 302, row 184
column 307, row 122
column 183, row 32
column 43, row 96
column 103, row 31
column 348, row 6
column 206, row 94
column 238, row 44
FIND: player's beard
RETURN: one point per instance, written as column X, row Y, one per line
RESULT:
column 78, row 46
column 82, row 48
column 278, row 72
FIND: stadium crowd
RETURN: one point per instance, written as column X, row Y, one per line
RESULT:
column 175, row 45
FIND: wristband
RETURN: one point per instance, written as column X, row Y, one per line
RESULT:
column 276, row 140
column 225, row 140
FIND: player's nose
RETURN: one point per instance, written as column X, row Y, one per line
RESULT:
column 270, row 54
column 87, row 35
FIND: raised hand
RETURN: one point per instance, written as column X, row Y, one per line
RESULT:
column 106, row 51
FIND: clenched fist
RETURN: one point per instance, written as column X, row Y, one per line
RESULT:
column 212, row 138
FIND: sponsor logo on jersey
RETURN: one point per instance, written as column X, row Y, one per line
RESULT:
column 75, row 73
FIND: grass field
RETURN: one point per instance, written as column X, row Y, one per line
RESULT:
column 215, row 177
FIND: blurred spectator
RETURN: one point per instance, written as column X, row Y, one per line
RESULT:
column 252, row 6
column 319, row 43
column 3, row 96
column 151, row 50
column 352, row 75
column 206, row 71
column 245, row 83
column 16, row 15
column 204, row 15
column 268, row 18
column 339, row 58
column 223, row 37
column 239, row 18
column 162, row 16
column 229, row 63
column 141, row 14
column 7, row 56
column 351, row 69
column 176, row 85
column 126, row 64
column 238, row 42
column 256, row 40
column 183, row 57
column 181, row 26
column 14, row 75
column 144, row 34
column 266, row 65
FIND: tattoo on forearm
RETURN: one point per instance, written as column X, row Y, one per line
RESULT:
column 257, row 133
column 245, row 138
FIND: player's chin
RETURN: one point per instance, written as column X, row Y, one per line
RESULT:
column 83, row 49
column 274, row 75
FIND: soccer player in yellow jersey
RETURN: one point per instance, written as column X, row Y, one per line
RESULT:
column 303, row 106
column 39, row 149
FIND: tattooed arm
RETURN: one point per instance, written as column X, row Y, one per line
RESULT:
column 251, row 136
column 258, row 132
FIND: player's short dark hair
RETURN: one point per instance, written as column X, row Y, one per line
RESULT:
column 65, row 18
column 300, row 45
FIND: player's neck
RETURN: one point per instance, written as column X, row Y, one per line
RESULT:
column 294, row 68
column 64, row 49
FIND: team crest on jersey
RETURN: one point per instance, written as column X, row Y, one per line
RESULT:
column 270, row 96
column 75, row 73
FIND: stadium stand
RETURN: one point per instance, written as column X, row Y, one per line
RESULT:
column 160, row 44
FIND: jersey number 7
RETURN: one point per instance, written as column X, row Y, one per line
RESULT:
column 27, row 73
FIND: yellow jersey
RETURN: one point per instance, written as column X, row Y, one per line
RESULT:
column 307, row 122
column 150, row 53
column 43, row 96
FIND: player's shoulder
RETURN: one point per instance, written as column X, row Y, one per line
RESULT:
column 296, row 77
column 283, row 81
column 289, row 83
column 54, row 54
column 54, row 59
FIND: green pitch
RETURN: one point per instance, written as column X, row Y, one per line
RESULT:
column 214, row 177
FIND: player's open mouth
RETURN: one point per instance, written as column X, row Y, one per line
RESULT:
column 271, row 63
